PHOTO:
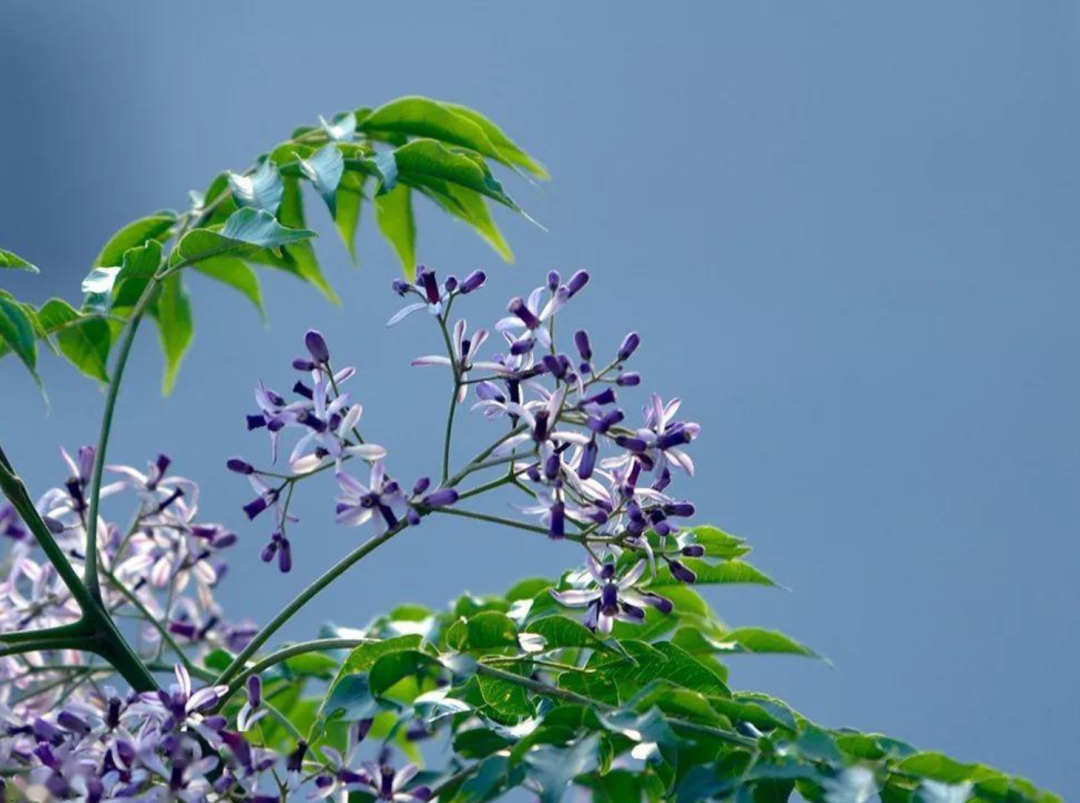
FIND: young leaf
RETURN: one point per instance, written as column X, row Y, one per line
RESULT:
column 302, row 254
column 424, row 117
column 759, row 640
column 176, row 327
column 235, row 273
column 85, row 344
column 507, row 147
column 560, row 632
column 17, row 331
column 132, row 235
column 349, row 197
column 261, row 190
column 394, row 214
column 12, row 261
column 489, row 631
column 423, row 160
column 324, row 170
column 246, row 229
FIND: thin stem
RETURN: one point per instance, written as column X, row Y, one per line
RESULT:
column 470, row 514
column 448, row 437
column 275, row 658
column 305, row 596
column 145, row 613
column 91, row 571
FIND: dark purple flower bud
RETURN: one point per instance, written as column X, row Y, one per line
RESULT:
column 628, row 380
column 557, row 528
column 518, row 307
column 295, row 761
column 682, row 572
column 556, row 366
column 240, row 466
column 363, row 726
column 72, row 722
column 427, row 281
column 523, row 346
column 451, row 283
column 577, row 282
column 629, row 346
column 693, row 551
column 676, row 437
column 662, row 604
column 606, row 396
column 300, row 364
column 412, row 517
column 680, row 509
column 255, row 507
column 551, row 466
column 440, row 498
column 588, row 460
column 584, row 347
column 400, row 286
column 540, row 431
column 284, row 558
column 316, row 346
column 268, row 552
column 55, row 526
column 256, row 421
column 607, row 571
column 553, row 280
column 632, row 444
column 254, row 690
column 422, row 485
column 183, row 629
column 474, row 281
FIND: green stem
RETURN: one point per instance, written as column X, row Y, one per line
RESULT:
column 275, row 658
column 144, row 612
column 128, row 339
column 95, row 632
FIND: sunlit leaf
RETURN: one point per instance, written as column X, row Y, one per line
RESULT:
column 245, row 229
column 324, row 170
column 235, row 273
column 134, row 234
column 424, row 160
column 17, row 331
column 176, row 327
column 261, row 189
column 394, row 214
column 509, row 150
column 10, row 261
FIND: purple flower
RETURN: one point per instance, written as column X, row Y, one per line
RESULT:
column 381, row 499
column 464, row 352
column 388, row 784
column 610, row 598
column 11, row 524
column 528, row 317
column 427, row 288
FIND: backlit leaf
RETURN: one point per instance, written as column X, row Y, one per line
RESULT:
column 10, row 261
column 394, row 214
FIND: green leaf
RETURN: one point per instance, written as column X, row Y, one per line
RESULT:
column 730, row 571
column 139, row 265
column 552, row 769
column 324, row 170
column 302, row 254
column 594, row 685
column 560, row 632
column 86, row 344
column 391, row 669
column 424, row 117
column 132, row 235
column 484, row 783
column 12, row 261
column 759, row 640
column 661, row 661
column 260, row 190
column 940, row 767
column 488, row 631
column 506, row 697
column 719, row 544
column 349, row 198
column 349, row 700
column 394, row 214
column 425, row 160
column 235, row 273
column 246, row 229
column 364, row 657
column 472, row 208
column 17, row 331
column 176, row 328
column 509, row 150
